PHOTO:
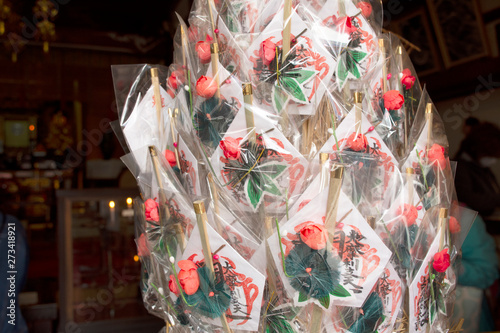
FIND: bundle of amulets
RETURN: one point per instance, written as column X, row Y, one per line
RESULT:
column 294, row 175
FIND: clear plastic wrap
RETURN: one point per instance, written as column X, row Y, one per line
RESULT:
column 294, row 176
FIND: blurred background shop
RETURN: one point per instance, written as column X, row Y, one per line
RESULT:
column 60, row 169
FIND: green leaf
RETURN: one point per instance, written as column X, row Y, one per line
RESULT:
column 278, row 324
column 441, row 303
column 355, row 71
column 303, row 296
column 340, row 291
column 301, row 75
column 272, row 170
column 293, row 88
column 270, row 186
column 254, row 191
column 342, row 71
column 280, row 99
column 325, row 301
column 432, row 315
column 357, row 55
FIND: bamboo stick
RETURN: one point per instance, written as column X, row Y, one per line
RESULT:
column 342, row 11
column 164, row 213
column 212, row 21
column 383, row 53
column 335, row 186
column 324, row 174
column 215, row 198
column 409, row 182
column 429, row 119
column 249, row 118
column 155, row 80
column 287, row 29
column 214, row 49
column 404, row 41
column 358, row 105
column 172, row 115
column 371, row 221
column 316, row 319
column 201, row 221
column 399, row 53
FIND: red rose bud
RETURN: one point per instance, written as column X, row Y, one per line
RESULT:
column 231, row 148
column 188, row 277
column 193, row 33
column 344, row 25
column 175, row 79
column 170, row 156
column 202, row 48
column 407, row 79
column 206, row 87
column 436, row 156
column 172, row 285
column 393, row 100
column 357, row 142
column 267, row 52
column 441, row 261
column 142, row 246
column 366, row 8
column 151, row 210
column 454, row 225
column 408, row 214
column 314, row 235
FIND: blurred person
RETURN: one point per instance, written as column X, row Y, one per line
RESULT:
column 477, row 273
column 476, row 184
column 469, row 125
column 12, row 320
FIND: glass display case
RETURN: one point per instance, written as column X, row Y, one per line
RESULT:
column 99, row 269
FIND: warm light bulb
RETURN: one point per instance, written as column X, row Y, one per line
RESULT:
column 136, row 258
column 32, row 128
column 129, row 201
column 111, row 204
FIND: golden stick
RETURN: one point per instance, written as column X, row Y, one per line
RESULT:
column 443, row 226
column 201, row 221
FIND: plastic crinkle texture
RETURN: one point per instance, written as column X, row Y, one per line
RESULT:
column 294, row 175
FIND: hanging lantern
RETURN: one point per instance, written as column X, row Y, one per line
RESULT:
column 4, row 15
column 45, row 12
column 14, row 42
